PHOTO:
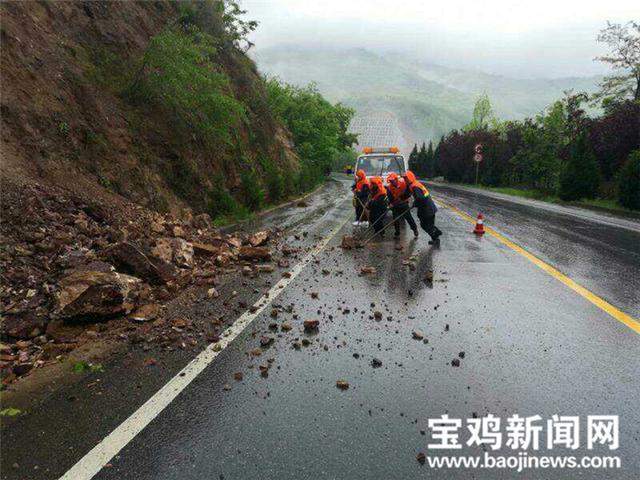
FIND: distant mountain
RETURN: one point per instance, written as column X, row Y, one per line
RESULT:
column 428, row 100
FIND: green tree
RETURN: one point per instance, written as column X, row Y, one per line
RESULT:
column 180, row 75
column 430, row 163
column 482, row 114
column 223, row 19
column 319, row 129
column 624, row 58
column 629, row 182
column 422, row 161
column 580, row 176
column 413, row 158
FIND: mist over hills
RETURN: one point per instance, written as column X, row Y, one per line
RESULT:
column 429, row 100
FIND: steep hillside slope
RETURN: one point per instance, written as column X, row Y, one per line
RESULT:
column 80, row 108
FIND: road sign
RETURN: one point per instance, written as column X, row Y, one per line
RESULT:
column 477, row 158
column 478, row 148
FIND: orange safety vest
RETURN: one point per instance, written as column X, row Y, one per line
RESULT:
column 414, row 183
column 362, row 181
column 398, row 191
column 378, row 188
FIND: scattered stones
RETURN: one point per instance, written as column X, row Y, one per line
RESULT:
column 421, row 458
column 238, row 376
column 285, row 326
column 367, row 270
column 265, row 341
column 205, row 248
column 376, row 363
column 417, row 334
column 455, row 362
column 314, row 295
column 461, row 354
column 145, row 313
column 254, row 253
column 258, row 238
column 377, row 315
column 428, row 276
column 348, row 242
column 287, row 250
column 311, row 325
column 342, row 384
column 283, row 263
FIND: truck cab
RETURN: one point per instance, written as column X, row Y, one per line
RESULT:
column 380, row 162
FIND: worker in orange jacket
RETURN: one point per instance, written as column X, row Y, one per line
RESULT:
column 399, row 194
column 426, row 207
column 361, row 189
column 377, row 205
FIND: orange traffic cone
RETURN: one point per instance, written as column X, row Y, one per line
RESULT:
column 479, row 230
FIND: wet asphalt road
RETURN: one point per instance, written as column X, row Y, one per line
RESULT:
column 598, row 250
column 531, row 346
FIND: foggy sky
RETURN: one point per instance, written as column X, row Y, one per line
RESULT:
column 534, row 38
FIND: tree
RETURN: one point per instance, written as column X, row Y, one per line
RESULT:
column 413, row 158
column 430, row 164
column 580, row 177
column 482, row 114
column 629, row 182
column 624, row 57
column 422, row 161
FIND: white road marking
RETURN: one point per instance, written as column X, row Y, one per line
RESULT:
column 101, row 454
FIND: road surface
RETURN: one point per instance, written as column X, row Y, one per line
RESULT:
column 526, row 344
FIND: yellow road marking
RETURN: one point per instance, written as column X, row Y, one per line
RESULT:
column 602, row 304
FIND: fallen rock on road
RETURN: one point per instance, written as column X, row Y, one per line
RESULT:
column 95, row 295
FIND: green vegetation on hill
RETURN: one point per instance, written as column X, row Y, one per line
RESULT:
column 319, row 128
column 559, row 153
column 429, row 100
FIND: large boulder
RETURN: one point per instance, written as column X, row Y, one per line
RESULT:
column 131, row 259
column 92, row 295
column 174, row 250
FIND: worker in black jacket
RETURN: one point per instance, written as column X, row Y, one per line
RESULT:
column 425, row 206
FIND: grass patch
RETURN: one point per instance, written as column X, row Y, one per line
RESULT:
column 596, row 203
column 81, row 367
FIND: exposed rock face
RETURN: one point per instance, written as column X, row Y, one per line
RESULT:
column 95, row 295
